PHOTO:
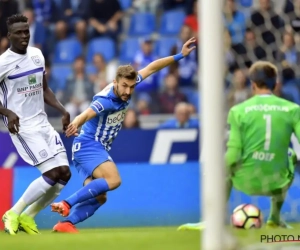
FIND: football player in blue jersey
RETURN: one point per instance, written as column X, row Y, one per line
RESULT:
column 101, row 123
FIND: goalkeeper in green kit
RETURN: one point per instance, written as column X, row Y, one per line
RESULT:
column 258, row 158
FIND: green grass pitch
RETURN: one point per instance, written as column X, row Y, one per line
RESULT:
column 156, row 238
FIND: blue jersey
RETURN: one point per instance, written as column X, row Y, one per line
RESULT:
column 111, row 112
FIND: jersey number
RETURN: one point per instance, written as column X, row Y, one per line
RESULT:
column 57, row 141
column 268, row 131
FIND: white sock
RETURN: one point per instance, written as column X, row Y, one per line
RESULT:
column 34, row 191
column 44, row 201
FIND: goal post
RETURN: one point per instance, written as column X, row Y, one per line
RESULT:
column 211, row 92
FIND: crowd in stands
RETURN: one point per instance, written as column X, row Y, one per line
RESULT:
column 84, row 41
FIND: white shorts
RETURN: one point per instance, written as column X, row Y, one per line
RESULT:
column 41, row 147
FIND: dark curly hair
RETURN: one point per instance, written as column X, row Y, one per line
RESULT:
column 17, row 18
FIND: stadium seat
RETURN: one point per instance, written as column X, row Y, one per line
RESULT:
column 192, row 97
column 90, row 69
column 129, row 47
column 66, row 51
column 246, row 3
column 103, row 46
column 141, row 24
column 125, row 4
column 164, row 45
column 61, row 73
column 293, row 91
column 171, row 22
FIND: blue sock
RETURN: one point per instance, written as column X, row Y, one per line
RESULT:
column 83, row 211
column 91, row 190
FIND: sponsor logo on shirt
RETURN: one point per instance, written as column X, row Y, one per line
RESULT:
column 116, row 118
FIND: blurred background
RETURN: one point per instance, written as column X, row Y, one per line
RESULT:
column 84, row 41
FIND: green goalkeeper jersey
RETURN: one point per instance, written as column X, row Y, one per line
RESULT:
column 259, row 138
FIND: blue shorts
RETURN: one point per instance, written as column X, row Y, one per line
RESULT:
column 87, row 155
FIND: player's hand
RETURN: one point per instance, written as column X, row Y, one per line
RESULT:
column 72, row 130
column 65, row 121
column 13, row 123
column 187, row 48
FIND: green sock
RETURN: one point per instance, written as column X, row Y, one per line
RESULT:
column 276, row 205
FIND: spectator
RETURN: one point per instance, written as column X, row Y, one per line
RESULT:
column 239, row 91
column 46, row 11
column 182, row 118
column 105, row 18
column 192, row 19
column 266, row 22
column 249, row 51
column 292, row 9
column 235, row 21
column 105, row 73
column 173, row 4
column 37, row 31
column 53, row 84
column 75, row 14
column 288, row 51
column 131, row 119
column 146, row 5
column 187, row 67
column 142, row 58
column 171, row 95
column 79, row 90
column 7, row 8
column 143, row 104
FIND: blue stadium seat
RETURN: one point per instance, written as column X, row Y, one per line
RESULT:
column 129, row 47
column 103, row 46
column 164, row 46
column 125, row 4
column 90, row 69
column 66, row 51
column 192, row 97
column 293, row 91
column 141, row 24
column 246, row 3
column 61, row 73
column 171, row 22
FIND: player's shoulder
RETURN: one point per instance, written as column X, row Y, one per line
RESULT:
column 5, row 58
column 33, row 50
column 103, row 97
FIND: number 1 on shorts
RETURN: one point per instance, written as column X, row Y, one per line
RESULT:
column 268, row 132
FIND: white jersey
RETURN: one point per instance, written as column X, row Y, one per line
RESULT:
column 21, row 86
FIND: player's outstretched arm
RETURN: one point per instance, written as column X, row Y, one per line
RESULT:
column 52, row 101
column 166, row 61
column 79, row 120
column 12, row 119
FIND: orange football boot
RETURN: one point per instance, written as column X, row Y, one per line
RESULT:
column 62, row 208
column 65, row 227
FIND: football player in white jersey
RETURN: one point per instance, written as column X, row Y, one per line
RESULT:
column 23, row 94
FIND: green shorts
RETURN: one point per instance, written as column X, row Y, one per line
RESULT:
column 262, row 185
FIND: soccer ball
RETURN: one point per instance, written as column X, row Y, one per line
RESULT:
column 247, row 216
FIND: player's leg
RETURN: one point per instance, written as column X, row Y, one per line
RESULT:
column 91, row 160
column 34, row 150
column 26, row 219
column 105, row 178
column 278, row 196
column 81, row 212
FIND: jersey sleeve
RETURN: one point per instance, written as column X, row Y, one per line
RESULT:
column 296, row 122
column 234, row 144
column 100, row 105
column 139, row 79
